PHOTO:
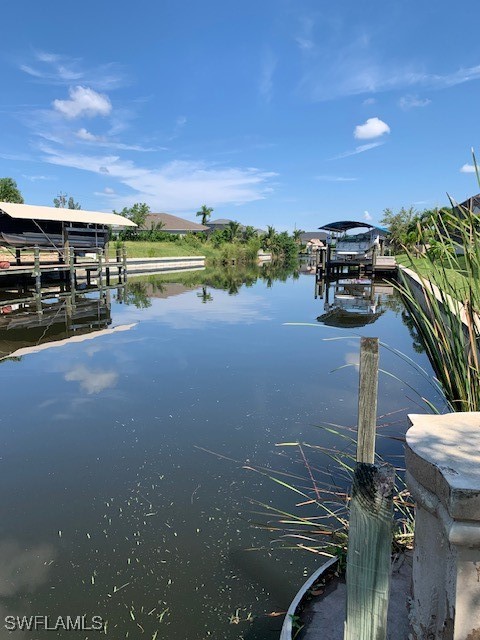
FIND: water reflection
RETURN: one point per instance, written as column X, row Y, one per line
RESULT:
column 352, row 302
column 30, row 322
column 104, row 441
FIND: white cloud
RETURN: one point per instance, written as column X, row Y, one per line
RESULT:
column 174, row 186
column 334, row 179
column 102, row 141
column 346, row 62
column 180, row 123
column 109, row 191
column 411, row 102
column 56, row 69
column 468, row 168
column 38, row 178
column 305, row 44
column 360, row 149
column 305, row 39
column 269, row 64
column 372, row 128
column 368, row 102
column 83, row 102
column 45, row 56
column 83, row 134
column 367, row 216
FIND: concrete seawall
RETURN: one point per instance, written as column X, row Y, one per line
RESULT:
column 140, row 266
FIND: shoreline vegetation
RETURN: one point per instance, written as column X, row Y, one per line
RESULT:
column 233, row 243
column 447, row 318
column 226, row 253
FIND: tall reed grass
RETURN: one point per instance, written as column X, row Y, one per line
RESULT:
column 446, row 312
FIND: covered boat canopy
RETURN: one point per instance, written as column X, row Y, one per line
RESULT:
column 34, row 212
column 346, row 225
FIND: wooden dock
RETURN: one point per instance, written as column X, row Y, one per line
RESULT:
column 330, row 264
column 70, row 268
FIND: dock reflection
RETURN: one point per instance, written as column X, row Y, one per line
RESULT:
column 352, row 302
column 31, row 321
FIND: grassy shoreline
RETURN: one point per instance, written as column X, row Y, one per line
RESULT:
column 244, row 253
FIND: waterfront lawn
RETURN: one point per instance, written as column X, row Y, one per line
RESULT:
column 160, row 249
column 225, row 253
column 456, row 279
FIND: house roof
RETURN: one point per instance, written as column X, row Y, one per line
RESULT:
column 313, row 235
column 172, row 223
column 219, row 221
column 472, row 204
column 346, row 225
column 34, row 212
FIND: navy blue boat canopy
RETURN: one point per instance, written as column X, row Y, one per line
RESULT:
column 346, row 225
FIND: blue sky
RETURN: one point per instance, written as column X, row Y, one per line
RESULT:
column 290, row 113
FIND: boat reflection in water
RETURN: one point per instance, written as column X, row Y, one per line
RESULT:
column 30, row 322
column 352, row 302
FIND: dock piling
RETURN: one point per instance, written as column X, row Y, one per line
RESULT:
column 371, row 514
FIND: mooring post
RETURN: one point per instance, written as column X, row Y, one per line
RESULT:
column 371, row 516
column 100, row 268
column 71, row 259
column 367, row 400
column 36, row 269
column 18, row 260
column 118, row 262
column 124, row 259
column 369, row 552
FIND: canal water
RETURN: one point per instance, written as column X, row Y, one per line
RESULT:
column 138, row 431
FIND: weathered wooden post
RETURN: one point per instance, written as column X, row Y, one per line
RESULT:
column 71, row 259
column 36, row 269
column 371, row 514
column 124, row 260
column 107, row 261
column 367, row 400
column 118, row 260
column 100, row 268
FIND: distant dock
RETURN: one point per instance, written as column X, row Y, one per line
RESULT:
column 330, row 264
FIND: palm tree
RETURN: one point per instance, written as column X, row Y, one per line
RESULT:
column 269, row 237
column 232, row 230
column 249, row 233
column 205, row 212
column 296, row 235
column 157, row 226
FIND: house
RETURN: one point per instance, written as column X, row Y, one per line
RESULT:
column 472, row 204
column 307, row 236
column 172, row 224
column 220, row 224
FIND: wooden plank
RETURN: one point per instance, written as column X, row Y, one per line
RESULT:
column 369, row 552
column 367, row 400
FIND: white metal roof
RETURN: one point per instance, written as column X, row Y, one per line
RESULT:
column 34, row 212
